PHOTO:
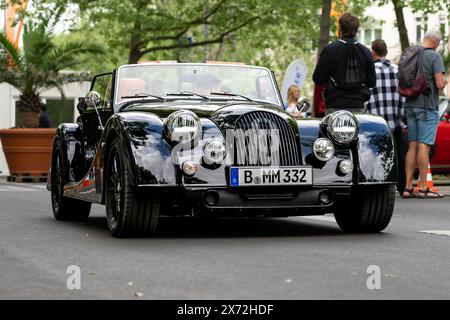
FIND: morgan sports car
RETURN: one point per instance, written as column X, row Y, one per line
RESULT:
column 212, row 139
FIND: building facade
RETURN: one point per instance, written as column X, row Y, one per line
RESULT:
column 381, row 23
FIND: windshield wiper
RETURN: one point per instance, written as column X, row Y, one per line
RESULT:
column 144, row 95
column 229, row 94
column 188, row 94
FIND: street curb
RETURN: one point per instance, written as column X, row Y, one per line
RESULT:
column 436, row 182
column 441, row 182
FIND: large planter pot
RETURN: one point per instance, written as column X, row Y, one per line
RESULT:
column 28, row 151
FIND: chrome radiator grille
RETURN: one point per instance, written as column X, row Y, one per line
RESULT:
column 264, row 139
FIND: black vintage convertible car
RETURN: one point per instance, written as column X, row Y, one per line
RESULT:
column 171, row 139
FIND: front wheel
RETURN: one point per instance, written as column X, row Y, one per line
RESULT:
column 128, row 213
column 369, row 209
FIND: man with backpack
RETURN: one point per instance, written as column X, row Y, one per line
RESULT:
column 346, row 69
column 421, row 77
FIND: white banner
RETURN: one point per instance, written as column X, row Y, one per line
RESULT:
column 295, row 74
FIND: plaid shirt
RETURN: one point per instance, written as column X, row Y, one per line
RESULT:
column 385, row 100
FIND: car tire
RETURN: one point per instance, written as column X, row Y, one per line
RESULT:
column 368, row 211
column 64, row 208
column 128, row 213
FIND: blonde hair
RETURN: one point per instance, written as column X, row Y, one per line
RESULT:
column 291, row 88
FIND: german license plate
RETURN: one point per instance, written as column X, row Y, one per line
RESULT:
column 251, row 176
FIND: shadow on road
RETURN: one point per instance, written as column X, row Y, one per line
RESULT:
column 187, row 227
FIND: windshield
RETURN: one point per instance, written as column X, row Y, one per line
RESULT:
column 196, row 80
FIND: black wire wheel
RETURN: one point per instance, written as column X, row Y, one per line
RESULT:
column 369, row 210
column 128, row 213
column 64, row 208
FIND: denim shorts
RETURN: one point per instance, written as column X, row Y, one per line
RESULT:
column 422, row 125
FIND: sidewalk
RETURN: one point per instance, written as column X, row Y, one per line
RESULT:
column 443, row 185
column 444, row 189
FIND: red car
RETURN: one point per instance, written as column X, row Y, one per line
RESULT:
column 440, row 161
column 440, row 154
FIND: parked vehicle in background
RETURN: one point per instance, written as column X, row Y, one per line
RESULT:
column 440, row 160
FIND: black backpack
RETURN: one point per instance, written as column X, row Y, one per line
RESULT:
column 412, row 82
column 351, row 71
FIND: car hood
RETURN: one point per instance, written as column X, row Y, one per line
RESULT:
column 222, row 113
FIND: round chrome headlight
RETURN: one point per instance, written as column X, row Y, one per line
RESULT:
column 342, row 126
column 214, row 151
column 323, row 149
column 183, row 126
column 345, row 166
column 189, row 168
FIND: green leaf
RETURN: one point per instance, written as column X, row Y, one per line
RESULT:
column 11, row 51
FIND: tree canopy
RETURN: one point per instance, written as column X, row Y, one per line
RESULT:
column 147, row 29
column 266, row 32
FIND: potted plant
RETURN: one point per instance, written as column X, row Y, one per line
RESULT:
column 33, row 69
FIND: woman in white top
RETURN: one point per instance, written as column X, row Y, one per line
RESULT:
column 293, row 96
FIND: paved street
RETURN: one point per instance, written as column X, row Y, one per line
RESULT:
column 295, row 258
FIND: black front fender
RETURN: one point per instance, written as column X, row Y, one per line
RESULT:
column 69, row 136
column 150, row 155
column 376, row 151
column 373, row 154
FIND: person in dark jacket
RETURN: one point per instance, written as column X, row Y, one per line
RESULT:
column 330, row 67
column 44, row 118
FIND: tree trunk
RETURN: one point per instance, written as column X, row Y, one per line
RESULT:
column 402, row 31
column 324, row 37
column 135, row 49
column 136, row 40
column 206, row 47
column 29, row 107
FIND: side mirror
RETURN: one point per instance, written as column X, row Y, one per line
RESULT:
column 303, row 104
column 447, row 117
column 81, row 106
column 92, row 99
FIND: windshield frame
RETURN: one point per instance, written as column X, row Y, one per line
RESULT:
column 228, row 65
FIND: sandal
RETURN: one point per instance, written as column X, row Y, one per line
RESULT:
column 408, row 193
column 428, row 194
